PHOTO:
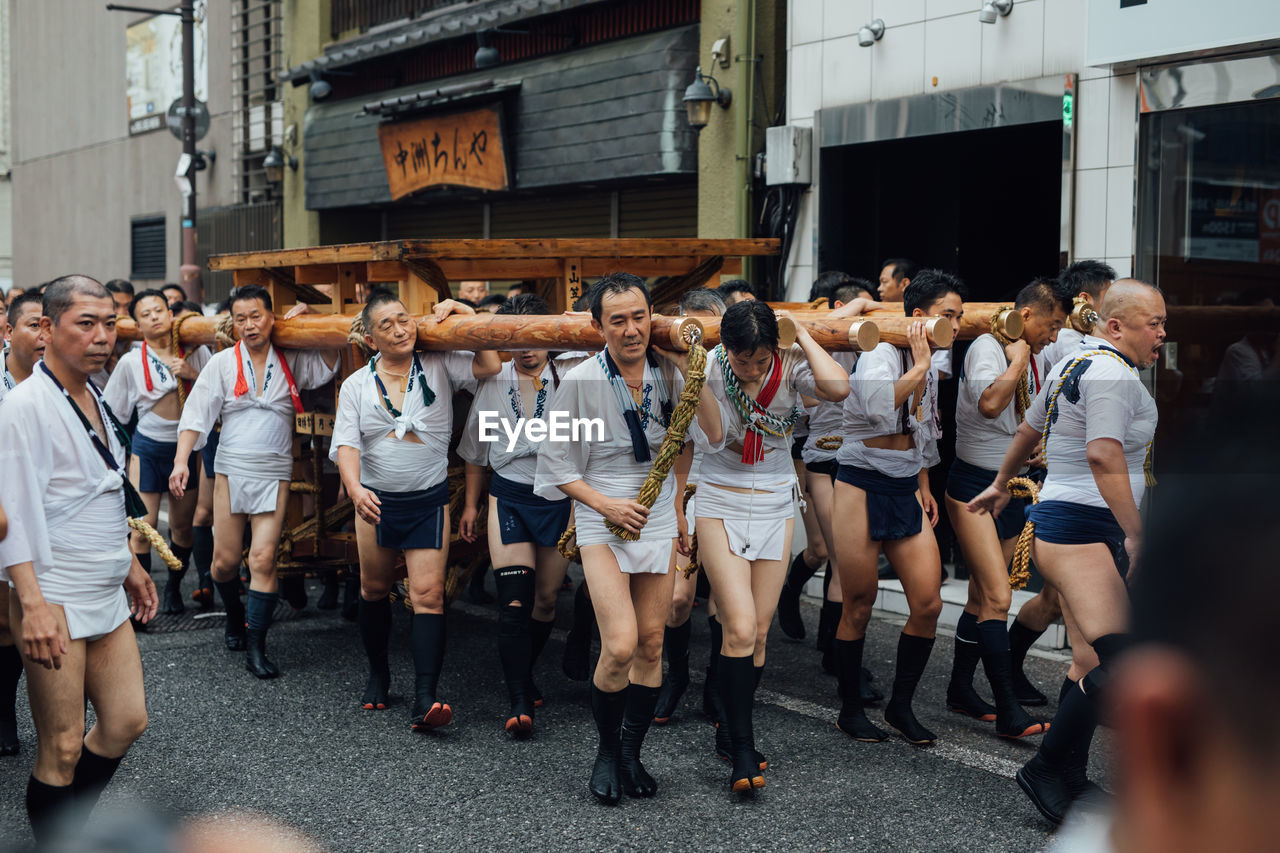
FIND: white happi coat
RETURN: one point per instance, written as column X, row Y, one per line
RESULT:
column 609, row 466
column 388, row 461
column 127, row 390
column 869, row 412
column 501, row 395
column 66, row 508
column 255, row 449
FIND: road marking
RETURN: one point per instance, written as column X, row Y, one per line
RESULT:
column 947, row 751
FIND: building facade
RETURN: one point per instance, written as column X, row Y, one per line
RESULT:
column 93, row 162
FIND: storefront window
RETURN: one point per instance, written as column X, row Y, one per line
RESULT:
column 1209, row 235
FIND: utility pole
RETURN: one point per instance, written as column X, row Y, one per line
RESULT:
column 189, row 274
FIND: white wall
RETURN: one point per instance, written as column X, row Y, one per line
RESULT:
column 940, row 45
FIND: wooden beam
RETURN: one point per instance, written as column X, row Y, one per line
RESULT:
column 472, row 249
column 316, row 274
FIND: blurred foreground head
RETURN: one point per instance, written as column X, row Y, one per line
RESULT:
column 1195, row 703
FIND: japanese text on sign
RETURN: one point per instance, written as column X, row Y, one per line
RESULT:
column 461, row 149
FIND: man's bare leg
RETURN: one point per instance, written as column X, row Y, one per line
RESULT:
column 264, row 538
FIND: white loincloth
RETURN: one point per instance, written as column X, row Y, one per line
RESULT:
column 643, row 557
column 756, row 524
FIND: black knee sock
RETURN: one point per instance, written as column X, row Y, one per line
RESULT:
column 826, row 580
column 1072, row 730
column 717, row 639
column 260, row 610
column 1021, row 639
column 93, row 772
column 1067, row 684
column 202, row 549
column 10, row 673
column 45, row 804
column 515, row 603
column 375, row 632
column 676, row 643
column 145, row 561
column 799, row 573
column 849, row 669
column 539, row 633
column 737, row 695
column 913, row 657
column 584, row 615
column 427, row 634
column 183, row 554
column 828, row 622
column 608, row 710
column 993, row 640
column 968, row 650
column 230, row 593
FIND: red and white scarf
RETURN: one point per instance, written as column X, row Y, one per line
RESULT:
column 242, row 385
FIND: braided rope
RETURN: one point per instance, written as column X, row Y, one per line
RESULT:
column 1019, row 569
column 673, row 442
column 756, row 417
column 157, row 543
column 690, row 489
column 829, row 442
column 224, row 331
column 672, row 446
column 175, row 346
column 355, row 336
column 1022, row 399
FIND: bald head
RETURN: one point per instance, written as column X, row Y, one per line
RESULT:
column 1127, row 296
column 1132, row 317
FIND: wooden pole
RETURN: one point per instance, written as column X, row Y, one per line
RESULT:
column 852, row 335
column 975, row 322
column 457, row 332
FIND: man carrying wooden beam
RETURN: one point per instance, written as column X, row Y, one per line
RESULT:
column 391, row 444
column 632, row 394
column 252, row 387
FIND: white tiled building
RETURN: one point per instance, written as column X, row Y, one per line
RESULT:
column 938, row 79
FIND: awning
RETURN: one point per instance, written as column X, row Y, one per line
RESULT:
column 448, row 23
column 605, row 113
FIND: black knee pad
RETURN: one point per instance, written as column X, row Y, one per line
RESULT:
column 514, row 583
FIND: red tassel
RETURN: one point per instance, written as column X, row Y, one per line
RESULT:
column 242, row 387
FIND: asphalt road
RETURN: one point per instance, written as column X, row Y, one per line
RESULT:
column 300, row 749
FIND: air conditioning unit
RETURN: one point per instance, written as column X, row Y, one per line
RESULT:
column 788, row 153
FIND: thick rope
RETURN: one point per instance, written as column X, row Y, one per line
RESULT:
column 355, row 336
column 689, row 490
column 1022, row 400
column 829, row 442
column 672, row 445
column 224, row 331
column 1019, row 569
column 175, row 346
column 157, row 543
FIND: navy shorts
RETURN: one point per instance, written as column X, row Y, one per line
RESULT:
column 965, row 482
column 412, row 520
column 209, row 451
column 797, row 445
column 892, row 509
column 155, row 462
column 1067, row 523
column 525, row 517
column 826, row 466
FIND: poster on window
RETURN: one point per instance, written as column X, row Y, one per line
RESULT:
column 153, row 67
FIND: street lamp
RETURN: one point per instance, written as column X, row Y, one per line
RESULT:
column 699, row 97
column 273, row 164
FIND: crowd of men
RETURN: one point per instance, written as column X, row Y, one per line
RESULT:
column 852, row 438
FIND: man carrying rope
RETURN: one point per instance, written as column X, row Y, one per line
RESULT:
column 23, row 349
column 628, row 389
column 1095, row 420
column 746, row 504
column 391, row 444
column 998, row 380
column 251, row 386
column 154, row 379
column 67, row 556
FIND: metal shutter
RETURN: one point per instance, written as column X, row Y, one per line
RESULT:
column 146, row 248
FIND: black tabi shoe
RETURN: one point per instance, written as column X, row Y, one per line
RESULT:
column 535, row 695
column 172, row 604
column 428, row 714
column 673, row 689
column 234, row 638
column 849, row 672
column 520, row 720
column 724, row 748
column 255, row 655
column 376, row 691
column 867, row 694
column 608, row 710
column 329, row 597
column 1025, row 691
column 10, row 673
column 203, row 593
column 903, row 719
column 637, row 716
column 789, row 619
column 963, row 699
column 1047, row 790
